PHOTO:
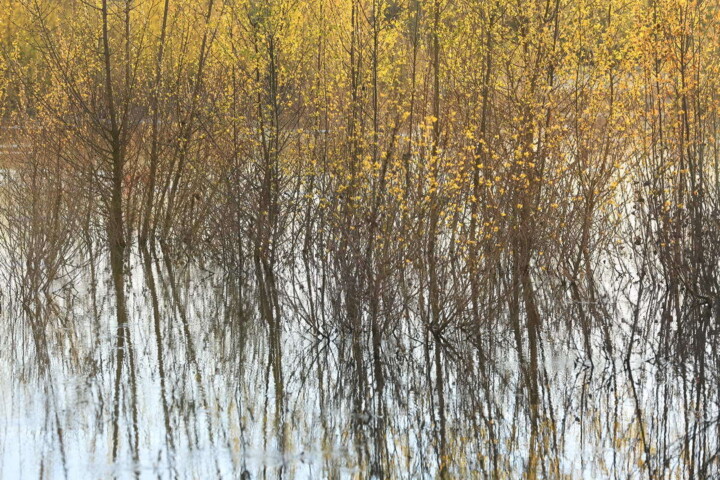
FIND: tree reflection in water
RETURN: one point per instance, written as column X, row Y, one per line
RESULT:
column 269, row 375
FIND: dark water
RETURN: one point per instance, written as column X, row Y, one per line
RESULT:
column 214, row 386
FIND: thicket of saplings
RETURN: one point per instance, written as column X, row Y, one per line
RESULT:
column 473, row 167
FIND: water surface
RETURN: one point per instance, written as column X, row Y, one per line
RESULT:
column 220, row 379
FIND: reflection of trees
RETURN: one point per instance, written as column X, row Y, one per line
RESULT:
column 257, row 392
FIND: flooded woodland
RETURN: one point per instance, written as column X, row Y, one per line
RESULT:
column 348, row 239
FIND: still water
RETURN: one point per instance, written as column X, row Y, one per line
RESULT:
column 209, row 386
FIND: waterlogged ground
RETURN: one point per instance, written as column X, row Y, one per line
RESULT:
column 209, row 387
